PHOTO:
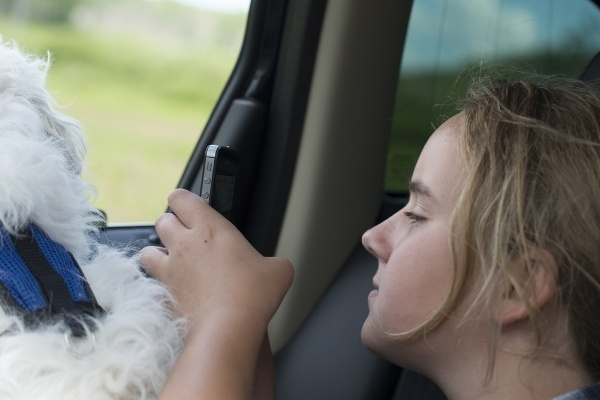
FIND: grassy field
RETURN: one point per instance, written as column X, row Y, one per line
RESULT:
column 142, row 105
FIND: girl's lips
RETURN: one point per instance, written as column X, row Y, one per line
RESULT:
column 375, row 290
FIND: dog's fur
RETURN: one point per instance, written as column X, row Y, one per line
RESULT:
column 136, row 341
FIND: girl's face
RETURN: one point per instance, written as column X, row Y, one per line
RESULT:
column 412, row 247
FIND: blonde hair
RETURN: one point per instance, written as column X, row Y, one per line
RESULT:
column 532, row 158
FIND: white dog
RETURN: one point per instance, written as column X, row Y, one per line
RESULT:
column 125, row 349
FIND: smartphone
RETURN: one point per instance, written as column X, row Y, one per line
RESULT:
column 219, row 178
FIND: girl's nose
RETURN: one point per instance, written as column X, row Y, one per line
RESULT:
column 376, row 242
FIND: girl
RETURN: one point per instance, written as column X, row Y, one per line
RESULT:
column 488, row 280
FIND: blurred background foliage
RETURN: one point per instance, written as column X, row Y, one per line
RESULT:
column 424, row 100
column 55, row 11
column 555, row 38
column 141, row 77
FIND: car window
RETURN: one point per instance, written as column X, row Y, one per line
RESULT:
column 446, row 37
column 142, row 78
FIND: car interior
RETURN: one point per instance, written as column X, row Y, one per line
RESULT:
column 321, row 91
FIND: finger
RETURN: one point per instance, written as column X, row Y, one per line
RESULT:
column 167, row 225
column 282, row 277
column 190, row 208
column 153, row 259
column 285, row 271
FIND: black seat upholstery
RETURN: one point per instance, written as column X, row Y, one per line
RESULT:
column 326, row 359
column 591, row 73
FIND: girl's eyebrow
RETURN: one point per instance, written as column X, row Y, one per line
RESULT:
column 418, row 188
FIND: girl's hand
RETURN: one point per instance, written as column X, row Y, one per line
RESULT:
column 209, row 266
column 227, row 291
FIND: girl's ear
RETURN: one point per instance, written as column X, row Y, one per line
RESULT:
column 533, row 280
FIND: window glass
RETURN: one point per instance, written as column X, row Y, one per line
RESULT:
column 142, row 77
column 447, row 36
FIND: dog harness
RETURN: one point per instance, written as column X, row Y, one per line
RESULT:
column 41, row 280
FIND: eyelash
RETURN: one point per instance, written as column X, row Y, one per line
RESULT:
column 414, row 218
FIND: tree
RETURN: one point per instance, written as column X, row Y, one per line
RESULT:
column 47, row 11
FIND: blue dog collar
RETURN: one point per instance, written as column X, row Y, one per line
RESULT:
column 39, row 278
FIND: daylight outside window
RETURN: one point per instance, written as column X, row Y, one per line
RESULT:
column 141, row 77
column 447, row 37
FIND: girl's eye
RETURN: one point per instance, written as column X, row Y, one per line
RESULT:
column 414, row 218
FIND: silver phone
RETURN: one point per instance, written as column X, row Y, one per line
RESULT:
column 219, row 178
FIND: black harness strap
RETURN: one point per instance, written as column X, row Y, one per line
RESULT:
column 52, row 284
column 58, row 298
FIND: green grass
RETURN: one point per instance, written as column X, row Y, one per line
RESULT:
column 142, row 106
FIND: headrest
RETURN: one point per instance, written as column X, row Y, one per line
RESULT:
column 591, row 73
